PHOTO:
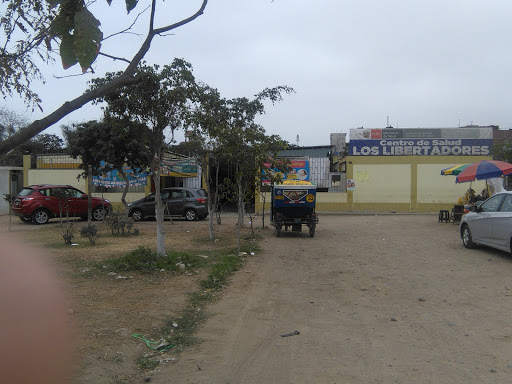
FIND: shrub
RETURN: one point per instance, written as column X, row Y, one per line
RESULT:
column 120, row 223
column 91, row 232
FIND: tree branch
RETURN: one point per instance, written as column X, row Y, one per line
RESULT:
column 127, row 78
column 130, row 27
column 114, row 57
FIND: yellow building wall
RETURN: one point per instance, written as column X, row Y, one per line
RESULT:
column 434, row 188
column 60, row 176
column 382, row 183
column 429, row 191
column 396, row 184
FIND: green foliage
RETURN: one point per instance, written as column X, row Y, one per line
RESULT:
column 146, row 364
column 503, row 151
column 91, row 232
column 9, row 198
column 79, row 33
column 143, row 259
column 220, row 272
column 188, row 323
column 114, row 141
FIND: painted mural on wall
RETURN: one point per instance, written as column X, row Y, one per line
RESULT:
column 421, row 142
column 113, row 179
column 179, row 167
column 299, row 170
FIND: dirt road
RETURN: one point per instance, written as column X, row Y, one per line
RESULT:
column 376, row 299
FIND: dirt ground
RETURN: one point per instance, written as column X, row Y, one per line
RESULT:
column 375, row 299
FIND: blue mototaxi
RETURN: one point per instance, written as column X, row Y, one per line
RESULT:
column 293, row 204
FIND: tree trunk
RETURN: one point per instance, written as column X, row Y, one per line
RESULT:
column 211, row 202
column 240, row 212
column 216, row 198
column 160, row 228
column 125, row 189
column 89, row 195
column 263, row 209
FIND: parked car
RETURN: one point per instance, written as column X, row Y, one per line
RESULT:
column 190, row 203
column 40, row 203
column 489, row 223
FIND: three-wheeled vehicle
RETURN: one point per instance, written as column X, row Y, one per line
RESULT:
column 293, row 204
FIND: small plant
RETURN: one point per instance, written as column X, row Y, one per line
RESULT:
column 91, row 232
column 68, row 233
column 146, row 364
column 9, row 199
column 120, row 224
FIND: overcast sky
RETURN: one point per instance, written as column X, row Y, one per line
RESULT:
column 425, row 64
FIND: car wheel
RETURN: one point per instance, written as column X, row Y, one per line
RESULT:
column 99, row 213
column 25, row 220
column 312, row 231
column 278, row 230
column 190, row 215
column 137, row 215
column 466, row 237
column 40, row 216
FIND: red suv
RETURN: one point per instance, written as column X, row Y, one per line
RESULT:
column 40, row 203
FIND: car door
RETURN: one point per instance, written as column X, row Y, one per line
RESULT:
column 77, row 204
column 502, row 224
column 51, row 202
column 177, row 200
column 148, row 205
column 481, row 224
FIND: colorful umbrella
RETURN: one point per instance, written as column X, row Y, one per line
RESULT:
column 455, row 170
column 485, row 169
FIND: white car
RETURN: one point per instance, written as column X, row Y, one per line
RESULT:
column 489, row 223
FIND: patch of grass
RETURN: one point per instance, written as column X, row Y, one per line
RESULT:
column 145, row 260
column 180, row 330
column 220, row 272
column 146, row 364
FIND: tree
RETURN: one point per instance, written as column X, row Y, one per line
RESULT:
column 114, row 142
column 271, row 173
column 161, row 102
column 77, row 40
column 204, row 142
column 10, row 122
column 246, row 144
column 503, row 151
column 25, row 39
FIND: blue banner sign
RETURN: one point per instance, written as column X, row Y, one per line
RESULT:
column 113, row 179
column 421, row 147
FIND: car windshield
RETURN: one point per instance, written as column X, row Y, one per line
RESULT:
column 201, row 192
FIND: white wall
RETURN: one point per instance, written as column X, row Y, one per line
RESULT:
column 4, row 188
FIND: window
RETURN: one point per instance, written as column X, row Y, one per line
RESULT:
column 492, row 204
column 179, row 194
column 507, row 204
